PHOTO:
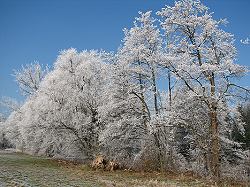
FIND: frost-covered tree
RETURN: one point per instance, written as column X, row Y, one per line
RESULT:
column 245, row 41
column 141, row 51
column 191, row 121
column 12, row 129
column 29, row 77
column 2, row 132
column 9, row 104
column 62, row 116
column 244, row 110
column 2, row 118
column 202, row 57
column 125, row 133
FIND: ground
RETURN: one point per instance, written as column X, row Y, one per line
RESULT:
column 21, row 170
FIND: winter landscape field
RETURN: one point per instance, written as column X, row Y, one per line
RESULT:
column 124, row 93
column 22, row 170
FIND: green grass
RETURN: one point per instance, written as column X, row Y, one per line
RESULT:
column 18, row 170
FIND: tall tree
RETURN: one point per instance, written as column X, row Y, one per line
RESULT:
column 204, row 58
column 141, row 51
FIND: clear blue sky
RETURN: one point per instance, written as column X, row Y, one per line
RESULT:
column 38, row 29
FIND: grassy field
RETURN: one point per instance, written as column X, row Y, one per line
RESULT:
column 18, row 170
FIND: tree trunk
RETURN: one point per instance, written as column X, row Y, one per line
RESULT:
column 215, row 147
column 160, row 156
column 169, row 90
column 160, row 153
column 155, row 91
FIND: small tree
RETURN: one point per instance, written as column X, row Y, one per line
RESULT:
column 237, row 135
column 29, row 77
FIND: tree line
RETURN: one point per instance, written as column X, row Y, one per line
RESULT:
column 166, row 100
